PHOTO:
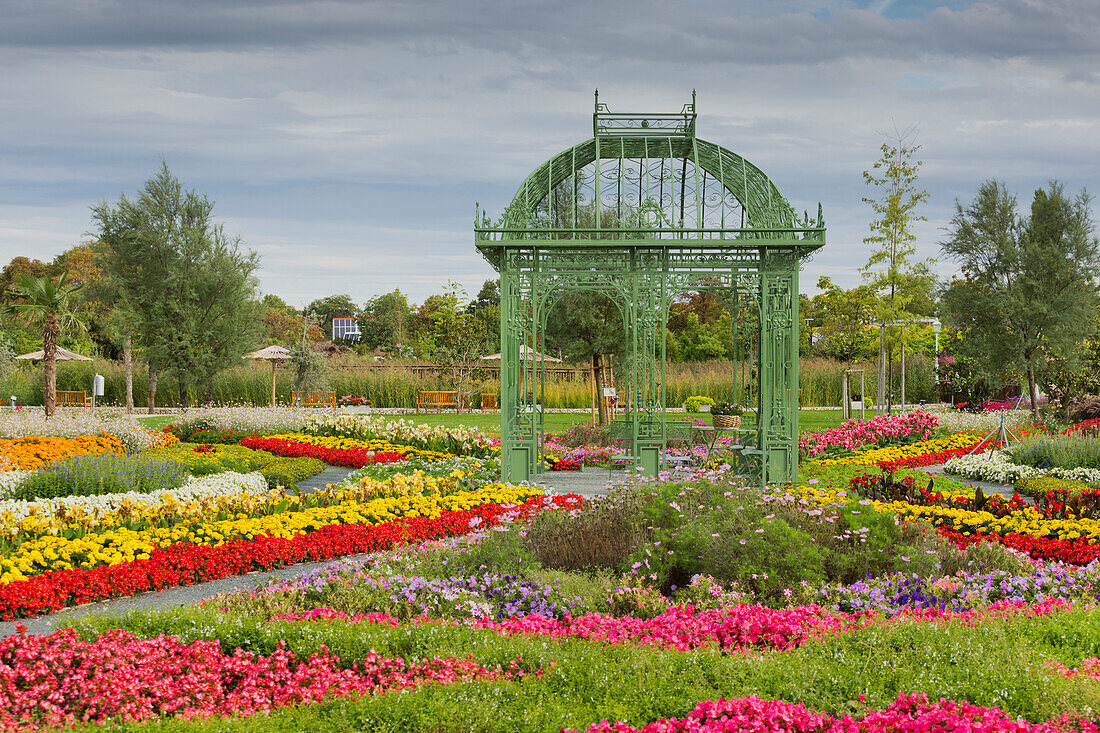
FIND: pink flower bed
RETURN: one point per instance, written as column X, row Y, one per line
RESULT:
column 1089, row 668
column 857, row 433
column 61, row 680
column 911, row 713
column 732, row 628
column 679, row 628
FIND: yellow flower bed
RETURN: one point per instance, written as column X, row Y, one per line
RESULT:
column 118, row 545
column 1027, row 521
column 379, row 446
column 31, row 452
column 167, row 511
column 898, row 452
column 78, row 521
column 159, row 439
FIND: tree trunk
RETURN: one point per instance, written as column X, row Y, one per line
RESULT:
column 183, row 390
column 597, row 370
column 152, row 389
column 1032, row 391
column 208, row 395
column 49, row 363
column 128, row 365
column 889, row 374
column 881, row 396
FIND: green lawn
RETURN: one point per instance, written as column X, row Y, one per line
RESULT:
column 555, row 422
column 156, row 422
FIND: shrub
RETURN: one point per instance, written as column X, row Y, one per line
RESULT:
column 580, row 435
column 93, row 475
column 601, row 536
column 1087, row 409
column 213, row 458
column 287, row 472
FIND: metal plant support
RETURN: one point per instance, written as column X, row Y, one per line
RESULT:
column 642, row 212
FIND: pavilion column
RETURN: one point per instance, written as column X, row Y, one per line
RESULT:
column 778, row 366
column 514, row 461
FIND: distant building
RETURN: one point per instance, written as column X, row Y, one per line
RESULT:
column 345, row 328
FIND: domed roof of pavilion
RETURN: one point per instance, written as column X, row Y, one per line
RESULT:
column 647, row 176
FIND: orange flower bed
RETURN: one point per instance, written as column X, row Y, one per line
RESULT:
column 31, row 452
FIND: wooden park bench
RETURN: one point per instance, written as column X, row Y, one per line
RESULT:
column 313, row 399
column 72, row 399
column 490, row 400
column 437, row 400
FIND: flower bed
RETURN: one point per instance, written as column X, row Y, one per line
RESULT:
column 438, row 438
column 997, row 466
column 909, row 713
column 185, row 563
column 31, row 452
column 348, row 452
column 120, row 676
column 924, row 453
column 113, row 545
column 857, row 433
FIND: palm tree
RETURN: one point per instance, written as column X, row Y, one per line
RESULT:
column 48, row 306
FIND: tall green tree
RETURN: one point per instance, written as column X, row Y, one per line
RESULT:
column 890, row 270
column 1029, row 285
column 187, row 284
column 329, row 307
column 48, row 306
column 460, row 340
column 384, row 322
column 587, row 325
column 843, row 317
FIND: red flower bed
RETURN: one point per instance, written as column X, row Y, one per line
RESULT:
column 348, row 457
column 62, row 680
column 932, row 459
column 1076, row 552
column 185, row 563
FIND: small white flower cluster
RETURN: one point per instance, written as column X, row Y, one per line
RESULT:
column 196, row 488
column 958, row 421
column 996, row 466
column 392, row 430
column 247, row 418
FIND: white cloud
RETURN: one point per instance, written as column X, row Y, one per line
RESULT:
column 347, row 142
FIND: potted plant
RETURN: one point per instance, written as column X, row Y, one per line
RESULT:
column 698, row 403
column 857, row 401
column 354, row 405
column 726, row 414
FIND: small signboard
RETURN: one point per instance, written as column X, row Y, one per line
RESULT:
column 609, row 392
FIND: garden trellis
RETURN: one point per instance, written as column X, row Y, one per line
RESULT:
column 642, row 212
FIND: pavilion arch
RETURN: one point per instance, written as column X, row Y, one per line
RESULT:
column 640, row 212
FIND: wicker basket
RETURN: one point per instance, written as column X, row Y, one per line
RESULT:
column 727, row 421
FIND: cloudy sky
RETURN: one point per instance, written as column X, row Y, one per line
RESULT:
column 347, row 141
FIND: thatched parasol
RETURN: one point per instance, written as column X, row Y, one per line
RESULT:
column 62, row 355
column 276, row 354
column 526, row 353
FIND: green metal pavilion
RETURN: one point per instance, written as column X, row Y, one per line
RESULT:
column 642, row 212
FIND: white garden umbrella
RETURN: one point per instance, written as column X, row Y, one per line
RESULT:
column 276, row 354
column 62, row 355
